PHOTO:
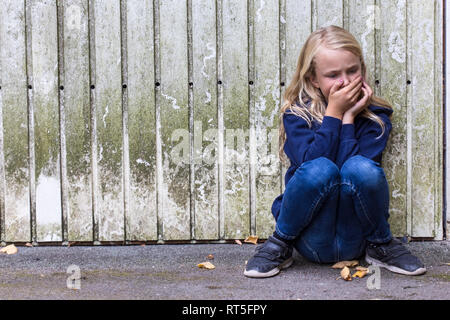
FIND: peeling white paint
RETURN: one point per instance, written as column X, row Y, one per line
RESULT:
column 172, row 100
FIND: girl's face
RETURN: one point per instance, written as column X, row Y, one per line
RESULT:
column 332, row 65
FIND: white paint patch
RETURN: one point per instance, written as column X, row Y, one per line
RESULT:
column 258, row 12
column 396, row 47
column 171, row 99
column 208, row 96
column 48, row 200
column 212, row 49
column 105, row 115
column 141, row 161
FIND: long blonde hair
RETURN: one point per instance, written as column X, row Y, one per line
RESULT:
column 307, row 101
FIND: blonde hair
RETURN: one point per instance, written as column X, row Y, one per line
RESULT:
column 307, row 101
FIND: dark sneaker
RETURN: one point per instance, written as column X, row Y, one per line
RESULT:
column 394, row 257
column 270, row 257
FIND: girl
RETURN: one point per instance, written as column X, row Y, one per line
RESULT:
column 336, row 203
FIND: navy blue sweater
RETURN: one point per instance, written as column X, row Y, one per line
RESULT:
column 332, row 140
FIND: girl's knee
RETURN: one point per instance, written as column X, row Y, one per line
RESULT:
column 321, row 171
column 359, row 169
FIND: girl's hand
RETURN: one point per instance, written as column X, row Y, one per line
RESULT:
column 342, row 99
column 362, row 103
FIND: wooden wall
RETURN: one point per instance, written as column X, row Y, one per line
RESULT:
column 158, row 119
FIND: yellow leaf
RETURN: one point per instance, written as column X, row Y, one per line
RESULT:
column 238, row 242
column 251, row 239
column 345, row 274
column 206, row 265
column 11, row 249
column 360, row 274
column 342, row 264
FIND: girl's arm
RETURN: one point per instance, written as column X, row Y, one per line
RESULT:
column 303, row 144
column 366, row 145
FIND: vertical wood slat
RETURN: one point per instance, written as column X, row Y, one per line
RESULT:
column 2, row 155
column 361, row 24
column 266, row 110
column 16, row 192
column 174, row 118
column 62, row 121
column 31, row 120
column 77, row 126
column 159, row 175
column 391, row 66
column 108, row 115
column 327, row 12
column 439, row 172
column 235, row 119
column 125, row 139
column 296, row 35
column 205, row 120
column 251, row 114
column 93, row 121
column 420, row 94
column 141, row 221
column 46, row 119
column 283, row 80
column 220, row 119
column 190, row 76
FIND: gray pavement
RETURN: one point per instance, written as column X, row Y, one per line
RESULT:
column 171, row 272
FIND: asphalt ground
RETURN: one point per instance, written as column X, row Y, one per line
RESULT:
column 170, row 272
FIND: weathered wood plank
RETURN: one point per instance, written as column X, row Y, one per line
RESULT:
column 15, row 121
column 298, row 28
column 77, row 114
column 327, row 12
column 295, row 36
column 361, row 24
column 174, row 120
column 421, row 102
column 267, row 99
column 141, row 218
column 236, row 119
column 205, row 119
column 439, row 172
column 46, row 117
column 108, row 115
column 391, row 67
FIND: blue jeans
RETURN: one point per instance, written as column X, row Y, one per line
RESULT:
column 331, row 213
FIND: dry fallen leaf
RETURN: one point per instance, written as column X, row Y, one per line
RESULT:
column 210, row 256
column 206, row 265
column 11, row 249
column 238, row 242
column 360, row 274
column 28, row 244
column 251, row 239
column 345, row 274
column 342, row 264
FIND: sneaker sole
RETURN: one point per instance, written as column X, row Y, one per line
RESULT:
column 271, row 273
column 378, row 263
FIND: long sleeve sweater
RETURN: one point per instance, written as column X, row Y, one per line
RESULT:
column 333, row 140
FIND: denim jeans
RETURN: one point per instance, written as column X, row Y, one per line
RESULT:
column 331, row 213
